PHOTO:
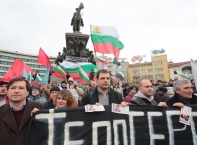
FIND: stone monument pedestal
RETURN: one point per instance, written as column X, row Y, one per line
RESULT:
column 70, row 37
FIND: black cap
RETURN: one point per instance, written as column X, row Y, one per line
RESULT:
column 55, row 88
column 3, row 83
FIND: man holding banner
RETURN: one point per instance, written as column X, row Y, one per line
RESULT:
column 145, row 95
column 183, row 94
column 15, row 116
column 103, row 94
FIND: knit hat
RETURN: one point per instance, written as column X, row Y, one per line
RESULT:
column 55, row 88
column 36, row 87
column 162, row 89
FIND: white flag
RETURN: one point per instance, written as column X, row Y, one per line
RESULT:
column 194, row 71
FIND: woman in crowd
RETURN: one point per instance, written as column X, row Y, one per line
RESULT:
column 65, row 99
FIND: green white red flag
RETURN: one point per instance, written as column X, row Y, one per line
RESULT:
column 100, row 59
column 183, row 75
column 38, row 78
column 120, row 76
column 73, row 68
column 83, row 76
column 59, row 72
column 106, row 40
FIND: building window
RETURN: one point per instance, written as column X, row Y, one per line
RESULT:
column 144, row 77
column 150, row 70
column 144, row 70
column 159, row 76
column 136, row 71
column 175, row 71
column 158, row 69
column 157, row 63
column 150, row 76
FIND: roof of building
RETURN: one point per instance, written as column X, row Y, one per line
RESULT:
column 170, row 65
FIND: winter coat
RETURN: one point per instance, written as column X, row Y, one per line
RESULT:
column 10, row 133
column 92, row 97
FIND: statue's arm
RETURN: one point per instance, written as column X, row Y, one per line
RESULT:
column 82, row 22
column 72, row 21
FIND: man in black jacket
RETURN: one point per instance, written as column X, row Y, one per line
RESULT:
column 103, row 94
column 183, row 94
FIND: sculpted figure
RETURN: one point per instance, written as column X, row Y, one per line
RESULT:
column 77, row 20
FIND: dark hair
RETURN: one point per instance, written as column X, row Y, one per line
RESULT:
column 11, row 82
column 101, row 71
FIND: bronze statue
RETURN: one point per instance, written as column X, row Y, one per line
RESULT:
column 77, row 20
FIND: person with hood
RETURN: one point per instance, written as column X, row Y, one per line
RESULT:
column 74, row 88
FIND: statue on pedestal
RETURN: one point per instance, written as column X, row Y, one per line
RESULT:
column 77, row 20
column 75, row 50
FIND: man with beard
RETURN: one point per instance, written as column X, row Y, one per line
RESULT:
column 3, row 93
column 64, row 84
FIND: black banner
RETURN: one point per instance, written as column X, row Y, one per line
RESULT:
column 143, row 126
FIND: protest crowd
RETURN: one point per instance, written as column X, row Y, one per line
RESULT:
column 19, row 100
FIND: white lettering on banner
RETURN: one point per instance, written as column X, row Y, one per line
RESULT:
column 153, row 136
column 131, row 121
column 124, row 129
column 127, row 126
column 95, row 127
column 194, row 135
column 170, row 125
column 67, row 133
column 50, row 118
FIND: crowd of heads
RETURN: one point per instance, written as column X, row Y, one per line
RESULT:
column 103, row 82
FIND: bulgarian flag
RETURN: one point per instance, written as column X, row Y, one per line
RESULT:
column 29, row 77
column 119, row 76
column 59, row 72
column 83, row 76
column 100, row 59
column 38, row 78
column 106, row 40
column 73, row 68
column 183, row 75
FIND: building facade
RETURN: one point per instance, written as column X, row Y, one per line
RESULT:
column 7, row 58
column 157, row 69
column 181, row 67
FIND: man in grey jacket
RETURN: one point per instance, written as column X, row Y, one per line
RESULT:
column 145, row 95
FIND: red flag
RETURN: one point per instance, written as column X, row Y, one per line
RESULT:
column 18, row 67
column 27, row 68
column 44, row 59
column 8, row 76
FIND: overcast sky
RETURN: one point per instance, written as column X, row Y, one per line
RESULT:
column 143, row 25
